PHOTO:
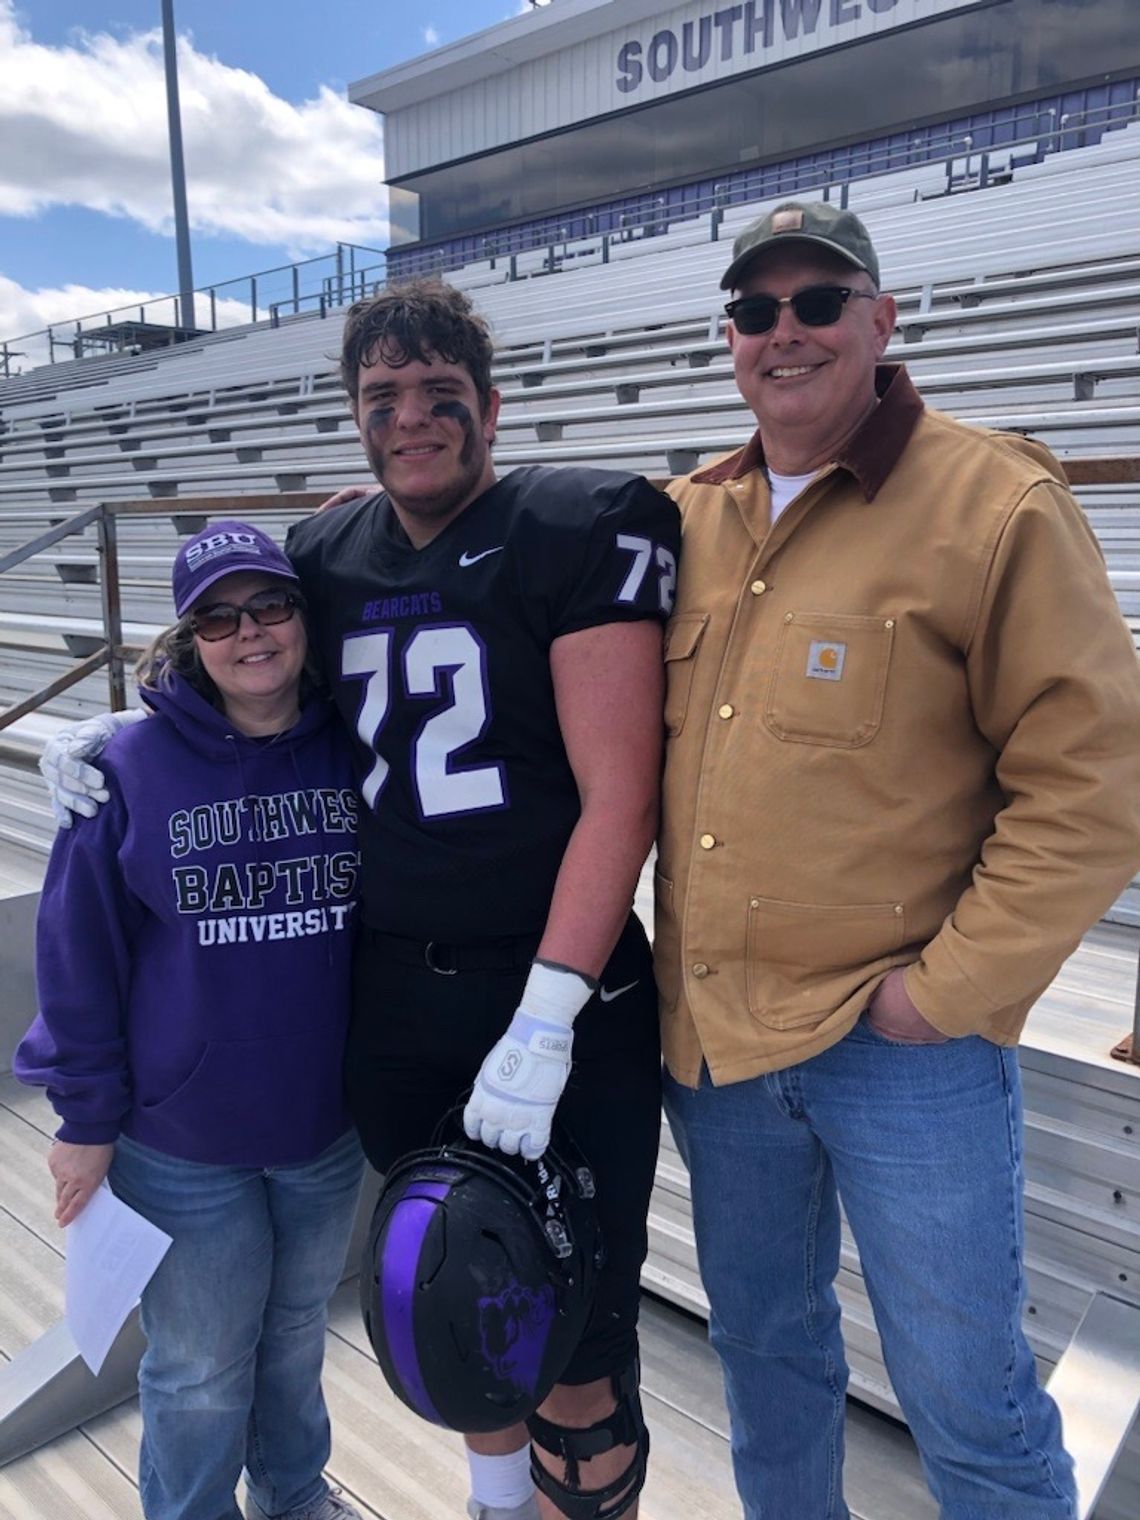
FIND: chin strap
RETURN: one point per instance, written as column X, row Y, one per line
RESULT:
column 624, row 1427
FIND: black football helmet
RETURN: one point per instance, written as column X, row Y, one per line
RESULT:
column 477, row 1280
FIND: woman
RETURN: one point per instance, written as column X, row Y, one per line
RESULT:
column 193, row 952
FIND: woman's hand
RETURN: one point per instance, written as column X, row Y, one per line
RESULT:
column 78, row 1170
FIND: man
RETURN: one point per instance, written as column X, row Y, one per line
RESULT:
column 495, row 649
column 901, row 781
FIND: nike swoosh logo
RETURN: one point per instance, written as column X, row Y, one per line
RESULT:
column 607, row 996
column 466, row 559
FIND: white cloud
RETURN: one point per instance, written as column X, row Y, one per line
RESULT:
column 85, row 125
column 25, row 310
column 431, row 36
column 30, row 311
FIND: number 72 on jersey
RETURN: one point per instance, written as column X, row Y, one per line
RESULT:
column 431, row 654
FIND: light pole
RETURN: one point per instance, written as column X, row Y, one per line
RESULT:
column 177, row 170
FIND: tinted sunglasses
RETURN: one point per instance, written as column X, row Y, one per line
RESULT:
column 223, row 619
column 815, row 306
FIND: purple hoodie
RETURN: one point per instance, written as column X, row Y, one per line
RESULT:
column 194, row 942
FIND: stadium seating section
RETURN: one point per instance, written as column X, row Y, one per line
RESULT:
column 1019, row 308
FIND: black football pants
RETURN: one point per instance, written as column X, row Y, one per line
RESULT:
column 417, row 1040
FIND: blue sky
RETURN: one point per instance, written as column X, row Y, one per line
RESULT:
column 279, row 166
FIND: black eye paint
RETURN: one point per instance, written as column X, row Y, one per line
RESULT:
column 454, row 409
column 381, row 416
column 458, row 412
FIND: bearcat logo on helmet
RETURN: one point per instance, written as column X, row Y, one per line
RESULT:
column 513, row 1330
column 477, row 1281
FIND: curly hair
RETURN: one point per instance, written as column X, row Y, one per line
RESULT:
column 412, row 322
column 174, row 652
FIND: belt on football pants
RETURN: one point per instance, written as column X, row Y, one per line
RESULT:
column 445, row 960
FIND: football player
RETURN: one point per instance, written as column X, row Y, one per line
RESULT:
column 494, row 646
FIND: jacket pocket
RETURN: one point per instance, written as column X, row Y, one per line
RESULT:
column 682, row 637
column 804, row 960
column 829, row 680
column 272, row 1100
column 666, row 943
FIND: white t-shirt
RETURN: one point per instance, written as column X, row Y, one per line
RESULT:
column 785, row 489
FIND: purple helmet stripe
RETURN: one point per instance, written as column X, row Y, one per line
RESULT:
column 407, row 1229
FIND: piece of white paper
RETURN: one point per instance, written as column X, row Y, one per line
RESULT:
column 112, row 1254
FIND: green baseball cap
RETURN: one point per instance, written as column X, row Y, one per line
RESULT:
column 803, row 222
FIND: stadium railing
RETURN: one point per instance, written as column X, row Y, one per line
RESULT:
column 948, row 167
column 329, row 280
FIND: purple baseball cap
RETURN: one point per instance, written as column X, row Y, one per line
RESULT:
column 223, row 548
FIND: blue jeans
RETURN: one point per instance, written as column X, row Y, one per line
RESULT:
column 234, row 1321
column 923, row 1144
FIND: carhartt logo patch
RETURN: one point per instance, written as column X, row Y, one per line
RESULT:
column 825, row 660
column 788, row 221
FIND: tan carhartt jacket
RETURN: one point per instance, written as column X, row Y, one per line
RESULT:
column 904, row 728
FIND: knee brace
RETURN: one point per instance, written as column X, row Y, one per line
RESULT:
column 624, row 1427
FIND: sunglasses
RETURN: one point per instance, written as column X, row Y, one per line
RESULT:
column 815, row 306
column 223, row 619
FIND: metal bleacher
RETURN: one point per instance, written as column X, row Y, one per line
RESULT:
column 623, row 363
column 1019, row 308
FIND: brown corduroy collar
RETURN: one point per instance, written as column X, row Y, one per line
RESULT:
column 870, row 455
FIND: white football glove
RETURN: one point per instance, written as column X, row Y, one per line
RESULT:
column 73, row 786
column 520, row 1082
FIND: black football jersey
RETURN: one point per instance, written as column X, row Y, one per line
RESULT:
column 439, row 659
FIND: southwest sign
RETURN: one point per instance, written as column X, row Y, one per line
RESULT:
column 737, row 38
